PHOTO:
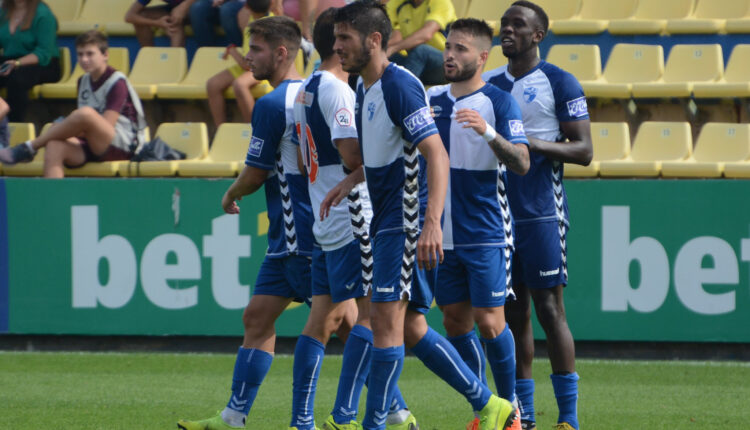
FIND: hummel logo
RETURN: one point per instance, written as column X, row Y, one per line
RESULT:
column 549, row 272
column 384, row 290
column 498, row 293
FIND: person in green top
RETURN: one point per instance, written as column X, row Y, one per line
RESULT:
column 29, row 51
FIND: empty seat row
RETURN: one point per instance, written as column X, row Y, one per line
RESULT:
column 225, row 158
column 666, row 149
column 627, row 16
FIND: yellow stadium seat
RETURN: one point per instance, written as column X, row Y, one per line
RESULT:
column 102, row 168
column 559, row 10
column 65, row 10
column 460, row 6
column 495, row 59
column 736, row 82
column 651, row 17
column 118, row 58
column 595, row 15
column 226, row 155
column 105, row 15
column 655, row 143
column 488, row 10
column 739, row 24
column 611, row 141
column 33, row 168
column 65, row 66
column 19, row 132
column 717, row 144
column 710, row 16
column 583, row 61
column 687, row 64
column 190, row 138
column 627, row 64
column 156, row 65
column 206, row 63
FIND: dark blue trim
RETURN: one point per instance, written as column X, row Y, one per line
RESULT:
column 4, row 267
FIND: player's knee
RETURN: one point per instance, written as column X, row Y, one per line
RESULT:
column 456, row 324
column 213, row 85
column 489, row 321
column 549, row 314
column 256, row 323
column 517, row 312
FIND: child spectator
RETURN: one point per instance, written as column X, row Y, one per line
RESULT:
column 171, row 17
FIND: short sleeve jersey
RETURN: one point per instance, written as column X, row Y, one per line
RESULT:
column 392, row 118
column 272, row 148
column 407, row 18
column 547, row 96
column 324, row 112
column 476, row 206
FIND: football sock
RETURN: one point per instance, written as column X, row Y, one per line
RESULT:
column 525, row 395
column 501, row 355
column 308, row 357
column 354, row 372
column 441, row 357
column 384, row 372
column 398, row 403
column 566, row 393
column 250, row 367
column 471, row 353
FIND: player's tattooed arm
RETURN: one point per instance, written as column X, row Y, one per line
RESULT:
column 578, row 149
column 514, row 156
column 341, row 190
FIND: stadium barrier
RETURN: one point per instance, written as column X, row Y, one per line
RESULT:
column 648, row 260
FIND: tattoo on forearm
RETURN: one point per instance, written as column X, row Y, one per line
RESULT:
column 510, row 154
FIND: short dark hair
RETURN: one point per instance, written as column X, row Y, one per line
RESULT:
column 323, row 37
column 541, row 15
column 93, row 37
column 277, row 31
column 474, row 27
column 366, row 17
column 258, row 6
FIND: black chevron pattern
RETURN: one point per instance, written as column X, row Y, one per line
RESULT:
column 360, row 229
column 286, row 205
column 559, row 194
column 502, row 198
column 411, row 216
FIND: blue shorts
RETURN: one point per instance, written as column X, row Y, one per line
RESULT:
column 476, row 274
column 285, row 277
column 540, row 259
column 390, row 259
column 338, row 273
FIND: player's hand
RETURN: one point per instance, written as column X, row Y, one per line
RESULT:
column 469, row 118
column 229, row 204
column 430, row 246
column 334, row 197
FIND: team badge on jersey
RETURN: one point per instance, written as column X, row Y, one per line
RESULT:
column 256, row 147
column 578, row 107
column 516, row 127
column 343, row 117
column 418, row 120
column 370, row 111
column 529, row 94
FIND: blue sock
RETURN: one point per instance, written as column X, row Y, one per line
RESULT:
column 397, row 403
column 566, row 393
column 250, row 368
column 525, row 394
column 472, row 353
column 441, row 357
column 308, row 357
column 354, row 372
column 501, row 354
column 384, row 372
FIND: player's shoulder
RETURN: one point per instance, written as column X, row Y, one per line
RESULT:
column 396, row 78
column 331, row 85
column 557, row 75
column 494, row 73
column 438, row 90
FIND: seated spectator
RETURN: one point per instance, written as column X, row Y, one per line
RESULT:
column 4, row 131
column 171, row 18
column 417, row 42
column 207, row 14
column 108, row 124
column 239, row 77
column 28, row 39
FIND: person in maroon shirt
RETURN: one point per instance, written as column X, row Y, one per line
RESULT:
column 108, row 124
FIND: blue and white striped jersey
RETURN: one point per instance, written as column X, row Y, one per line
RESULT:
column 547, row 96
column 476, row 207
column 324, row 112
column 272, row 148
column 392, row 118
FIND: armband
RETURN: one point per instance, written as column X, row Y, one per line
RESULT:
column 489, row 134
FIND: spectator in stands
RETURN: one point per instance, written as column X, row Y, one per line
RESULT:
column 207, row 14
column 4, row 132
column 417, row 42
column 108, row 124
column 28, row 39
column 171, row 17
column 239, row 77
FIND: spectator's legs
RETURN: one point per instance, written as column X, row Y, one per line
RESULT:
column 21, row 80
column 215, row 87
column 245, row 99
column 425, row 62
column 145, row 33
column 60, row 153
column 228, row 19
column 85, row 121
column 203, row 18
column 243, row 16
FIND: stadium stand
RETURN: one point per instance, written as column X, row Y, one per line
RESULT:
column 611, row 142
column 105, row 15
column 65, row 66
column 651, row 17
column 460, row 6
column 735, row 82
column 226, row 155
column 496, row 58
column 65, row 10
column 119, row 58
column 19, row 132
column 595, row 15
column 583, row 61
column 207, row 62
column 36, row 166
column 655, row 142
column 718, row 143
column 157, row 65
column 488, row 10
column 687, row 64
column 627, row 64
column 710, row 16
column 559, row 10
column 190, row 138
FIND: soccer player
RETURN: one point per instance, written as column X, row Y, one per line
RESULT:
column 482, row 131
column 271, row 163
column 556, row 121
column 393, row 122
column 108, row 124
column 324, row 117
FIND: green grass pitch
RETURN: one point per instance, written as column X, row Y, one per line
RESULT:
column 151, row 391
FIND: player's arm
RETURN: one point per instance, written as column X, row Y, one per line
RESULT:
column 577, row 150
column 514, row 155
column 350, row 155
column 430, row 245
column 249, row 181
column 423, row 35
column 301, row 162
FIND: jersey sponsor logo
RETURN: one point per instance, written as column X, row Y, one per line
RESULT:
column 545, row 273
column 370, row 110
column 305, row 98
column 516, row 127
column 256, row 147
column 418, row 120
column 85, row 94
column 436, row 110
column 343, row 117
column 578, row 107
column 529, row 94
